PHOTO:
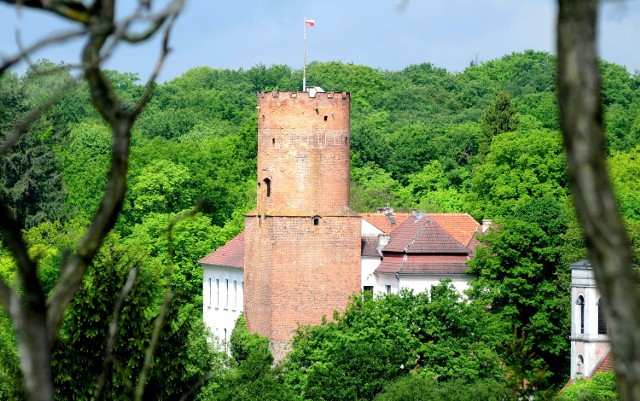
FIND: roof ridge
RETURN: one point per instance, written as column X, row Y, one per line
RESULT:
column 418, row 232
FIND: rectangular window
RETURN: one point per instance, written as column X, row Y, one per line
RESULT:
column 387, row 289
column 226, row 282
column 209, row 291
column 367, row 288
column 235, row 294
column 217, row 292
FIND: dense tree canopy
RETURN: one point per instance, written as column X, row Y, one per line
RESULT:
column 484, row 141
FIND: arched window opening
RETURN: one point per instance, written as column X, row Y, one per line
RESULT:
column 316, row 220
column 580, row 303
column 273, row 141
column 267, row 183
column 602, row 322
column 580, row 364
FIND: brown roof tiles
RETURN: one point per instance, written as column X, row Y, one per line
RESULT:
column 430, row 244
column 230, row 254
column 422, row 234
column 383, row 222
column 369, row 246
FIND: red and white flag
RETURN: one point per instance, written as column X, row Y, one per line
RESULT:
column 310, row 22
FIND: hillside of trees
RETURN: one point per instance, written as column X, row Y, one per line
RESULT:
column 484, row 141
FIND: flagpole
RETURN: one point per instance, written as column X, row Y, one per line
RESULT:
column 304, row 68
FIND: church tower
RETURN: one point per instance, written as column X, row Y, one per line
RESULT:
column 302, row 242
column 589, row 340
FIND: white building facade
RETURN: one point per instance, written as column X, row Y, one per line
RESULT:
column 589, row 340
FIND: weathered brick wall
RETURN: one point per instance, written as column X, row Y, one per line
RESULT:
column 303, row 150
column 257, row 277
column 296, row 271
column 318, row 268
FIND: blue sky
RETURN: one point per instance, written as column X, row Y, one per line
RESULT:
column 386, row 34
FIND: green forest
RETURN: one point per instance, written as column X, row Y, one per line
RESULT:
column 485, row 141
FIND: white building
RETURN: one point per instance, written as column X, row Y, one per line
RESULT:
column 589, row 341
column 398, row 251
column 223, row 287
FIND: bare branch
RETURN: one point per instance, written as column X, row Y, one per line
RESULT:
column 107, row 365
column 158, row 20
column 29, row 314
column 151, row 348
column 106, row 101
column 53, row 39
column 160, row 319
column 23, row 124
column 146, row 95
column 71, row 10
column 27, row 268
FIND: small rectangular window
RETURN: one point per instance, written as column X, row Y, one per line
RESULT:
column 367, row 288
column 235, row 293
column 217, row 292
column 209, row 290
column 387, row 289
column 227, row 290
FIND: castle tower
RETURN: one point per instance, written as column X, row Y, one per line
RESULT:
column 302, row 243
column 589, row 340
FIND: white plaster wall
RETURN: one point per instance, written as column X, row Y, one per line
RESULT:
column 382, row 280
column 419, row 283
column 368, row 229
column 591, row 345
column 222, row 299
column 368, row 265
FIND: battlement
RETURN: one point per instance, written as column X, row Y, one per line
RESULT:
column 323, row 110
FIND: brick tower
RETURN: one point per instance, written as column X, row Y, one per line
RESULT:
column 302, row 243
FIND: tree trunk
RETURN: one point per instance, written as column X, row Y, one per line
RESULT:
column 596, row 207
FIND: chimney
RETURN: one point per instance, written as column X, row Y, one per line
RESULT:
column 383, row 240
column 486, row 223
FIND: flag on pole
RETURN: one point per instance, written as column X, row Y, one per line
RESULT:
column 310, row 22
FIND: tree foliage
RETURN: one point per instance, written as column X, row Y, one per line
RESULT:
column 376, row 341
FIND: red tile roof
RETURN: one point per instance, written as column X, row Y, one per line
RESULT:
column 460, row 226
column 605, row 365
column 422, row 264
column 230, row 254
column 430, row 244
column 369, row 246
column 383, row 222
column 423, row 234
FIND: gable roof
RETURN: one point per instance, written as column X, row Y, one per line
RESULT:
column 383, row 222
column 230, row 254
column 430, row 244
column 422, row 234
